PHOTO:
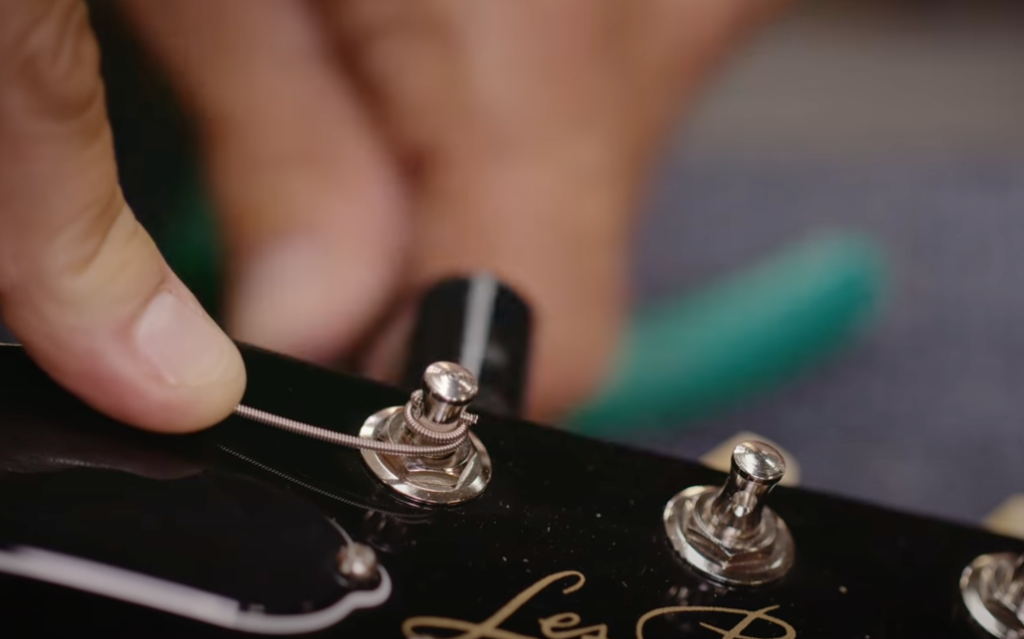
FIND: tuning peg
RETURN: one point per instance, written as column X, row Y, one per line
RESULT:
column 435, row 416
column 992, row 588
column 447, row 390
column 729, row 533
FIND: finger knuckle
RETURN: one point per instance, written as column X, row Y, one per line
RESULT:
column 49, row 59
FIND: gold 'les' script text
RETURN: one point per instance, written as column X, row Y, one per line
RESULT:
column 566, row 625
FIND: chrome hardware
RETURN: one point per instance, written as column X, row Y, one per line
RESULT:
column 992, row 588
column 728, row 533
column 357, row 563
column 447, row 390
column 435, row 416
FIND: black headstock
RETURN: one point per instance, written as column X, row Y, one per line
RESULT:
column 568, row 539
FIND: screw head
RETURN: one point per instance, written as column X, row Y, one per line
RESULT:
column 357, row 562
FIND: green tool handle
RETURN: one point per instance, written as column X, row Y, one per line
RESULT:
column 698, row 354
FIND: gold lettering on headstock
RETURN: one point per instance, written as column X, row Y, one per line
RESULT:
column 570, row 620
column 736, row 632
column 558, row 625
column 566, row 625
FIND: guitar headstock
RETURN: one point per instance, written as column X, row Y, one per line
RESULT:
column 250, row 528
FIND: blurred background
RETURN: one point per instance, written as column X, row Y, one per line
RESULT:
column 903, row 120
column 899, row 120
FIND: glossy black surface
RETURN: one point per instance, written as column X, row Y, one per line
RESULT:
column 445, row 331
column 241, row 510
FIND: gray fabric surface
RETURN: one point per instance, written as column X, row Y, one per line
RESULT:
column 925, row 412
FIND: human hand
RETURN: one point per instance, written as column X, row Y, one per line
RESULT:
column 81, row 283
column 359, row 149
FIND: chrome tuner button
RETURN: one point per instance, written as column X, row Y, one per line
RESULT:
column 435, row 415
column 728, row 533
column 992, row 588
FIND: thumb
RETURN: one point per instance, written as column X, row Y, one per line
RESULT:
column 81, row 283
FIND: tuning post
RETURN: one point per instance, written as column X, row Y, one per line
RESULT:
column 728, row 533
column 436, row 415
column 992, row 587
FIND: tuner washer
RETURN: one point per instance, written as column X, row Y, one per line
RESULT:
column 992, row 588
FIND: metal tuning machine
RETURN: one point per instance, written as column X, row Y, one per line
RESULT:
column 728, row 533
column 992, row 588
column 435, row 415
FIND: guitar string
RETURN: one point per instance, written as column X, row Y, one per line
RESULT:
column 415, row 518
column 440, row 444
